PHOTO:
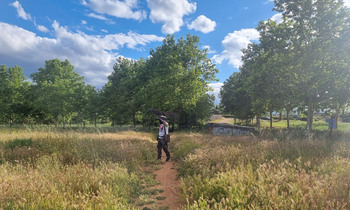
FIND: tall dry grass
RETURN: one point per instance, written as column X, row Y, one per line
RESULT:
column 258, row 173
column 74, row 169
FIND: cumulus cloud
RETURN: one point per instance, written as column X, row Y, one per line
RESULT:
column 202, row 24
column 277, row 17
column 170, row 12
column 234, row 43
column 116, row 8
column 92, row 56
column 20, row 11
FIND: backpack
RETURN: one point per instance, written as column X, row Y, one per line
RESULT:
column 166, row 136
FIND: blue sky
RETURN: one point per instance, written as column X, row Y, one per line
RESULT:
column 92, row 33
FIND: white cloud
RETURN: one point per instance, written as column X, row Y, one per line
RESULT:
column 170, row 12
column 83, row 22
column 234, row 43
column 202, row 24
column 100, row 17
column 42, row 28
column 216, row 91
column 210, row 51
column 20, row 11
column 104, row 30
column 347, row 3
column 277, row 17
column 92, row 56
column 116, row 8
column 268, row 1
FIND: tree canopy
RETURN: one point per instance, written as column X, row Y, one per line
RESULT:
column 302, row 62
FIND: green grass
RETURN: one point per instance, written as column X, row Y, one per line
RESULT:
column 317, row 125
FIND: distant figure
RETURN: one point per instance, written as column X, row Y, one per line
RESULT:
column 162, row 144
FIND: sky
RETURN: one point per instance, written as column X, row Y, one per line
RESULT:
column 91, row 34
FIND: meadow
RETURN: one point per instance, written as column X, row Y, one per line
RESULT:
column 75, row 169
column 112, row 169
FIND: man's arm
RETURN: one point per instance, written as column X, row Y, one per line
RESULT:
column 165, row 123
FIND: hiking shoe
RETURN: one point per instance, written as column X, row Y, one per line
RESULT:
column 167, row 159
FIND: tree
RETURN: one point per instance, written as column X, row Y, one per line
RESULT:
column 13, row 91
column 235, row 97
column 123, row 85
column 276, row 67
column 58, row 90
column 177, row 75
column 317, row 28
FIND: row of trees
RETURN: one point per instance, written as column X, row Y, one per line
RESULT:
column 173, row 79
column 302, row 62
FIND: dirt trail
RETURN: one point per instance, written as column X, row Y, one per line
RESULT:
column 170, row 184
column 225, row 120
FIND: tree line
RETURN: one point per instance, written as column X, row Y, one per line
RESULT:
column 174, row 78
column 301, row 63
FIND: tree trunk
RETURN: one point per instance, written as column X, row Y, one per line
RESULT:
column 280, row 117
column 287, row 118
column 310, row 115
column 64, row 122
column 336, row 117
column 270, row 119
column 258, row 122
column 95, row 120
column 133, row 120
column 234, row 120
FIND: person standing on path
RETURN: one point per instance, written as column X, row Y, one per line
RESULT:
column 162, row 144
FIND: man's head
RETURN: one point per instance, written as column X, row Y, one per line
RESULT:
column 161, row 118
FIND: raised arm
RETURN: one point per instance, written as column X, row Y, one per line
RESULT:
column 165, row 123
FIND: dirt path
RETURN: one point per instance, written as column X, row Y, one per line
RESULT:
column 225, row 120
column 170, row 185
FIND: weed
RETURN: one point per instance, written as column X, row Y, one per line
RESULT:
column 161, row 198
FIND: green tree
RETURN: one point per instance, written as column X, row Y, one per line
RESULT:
column 58, row 90
column 177, row 75
column 123, row 85
column 236, row 99
column 276, row 67
column 13, row 91
column 317, row 28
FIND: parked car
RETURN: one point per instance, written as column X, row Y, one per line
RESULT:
column 264, row 118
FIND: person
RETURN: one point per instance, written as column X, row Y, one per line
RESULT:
column 162, row 144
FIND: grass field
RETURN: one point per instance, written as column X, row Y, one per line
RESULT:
column 248, row 172
column 77, row 169
column 317, row 125
column 74, row 170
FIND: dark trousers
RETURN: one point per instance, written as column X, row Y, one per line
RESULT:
column 162, row 145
